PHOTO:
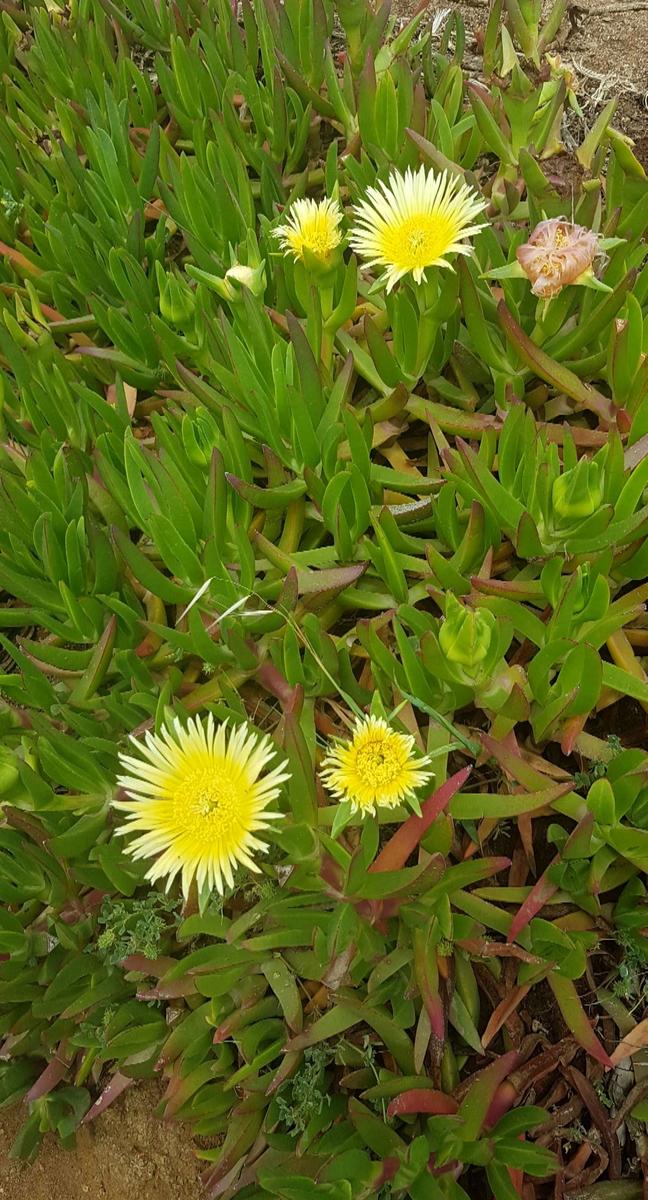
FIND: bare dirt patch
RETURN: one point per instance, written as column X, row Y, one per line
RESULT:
column 607, row 46
column 127, row 1154
column 605, row 42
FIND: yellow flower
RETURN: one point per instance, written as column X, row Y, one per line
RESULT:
column 557, row 253
column 311, row 228
column 197, row 798
column 415, row 221
column 377, row 767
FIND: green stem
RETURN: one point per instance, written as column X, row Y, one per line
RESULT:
column 328, row 337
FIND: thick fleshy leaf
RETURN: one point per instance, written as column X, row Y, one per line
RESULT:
column 397, row 850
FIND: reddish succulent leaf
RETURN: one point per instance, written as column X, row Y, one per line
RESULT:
column 540, row 894
column 397, row 850
column 287, row 1067
column 430, row 153
column 477, row 1105
column 508, row 755
column 427, row 978
column 277, row 497
column 329, row 579
column 505, row 1097
column 18, row 259
column 241, row 1133
column 419, row 1100
column 273, row 681
column 90, row 902
column 556, row 374
column 174, row 990
column 545, row 887
column 517, row 1176
column 54, row 1072
column 111, row 1092
column 576, row 1018
column 571, row 731
column 389, row 1169
column 503, row 1011
column 157, row 967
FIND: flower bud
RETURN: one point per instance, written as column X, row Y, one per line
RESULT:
column 177, row 301
column 556, row 254
column 252, row 278
column 466, row 634
column 577, row 493
column 235, row 281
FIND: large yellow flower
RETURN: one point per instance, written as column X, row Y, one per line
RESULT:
column 313, row 227
column 414, row 222
column 376, row 768
column 198, row 795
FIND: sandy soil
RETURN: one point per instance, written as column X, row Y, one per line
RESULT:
column 612, row 43
column 605, row 42
column 127, row 1154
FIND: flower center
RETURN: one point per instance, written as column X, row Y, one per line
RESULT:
column 319, row 235
column 418, row 241
column 210, row 801
column 379, row 763
column 553, row 266
column 319, row 241
column 560, row 239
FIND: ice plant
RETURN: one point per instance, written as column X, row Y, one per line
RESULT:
column 466, row 635
column 376, row 768
column 197, row 798
column 556, row 254
column 578, row 493
column 415, row 221
column 312, row 231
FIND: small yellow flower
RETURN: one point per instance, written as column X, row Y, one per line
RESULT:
column 376, row 768
column 313, row 228
column 556, row 254
column 414, row 222
column 197, row 798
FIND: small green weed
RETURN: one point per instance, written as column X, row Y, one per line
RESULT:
column 133, row 927
column 632, row 982
column 305, row 1096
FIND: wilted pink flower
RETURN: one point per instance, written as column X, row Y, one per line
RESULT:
column 557, row 253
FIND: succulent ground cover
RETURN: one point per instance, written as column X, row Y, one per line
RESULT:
column 323, row 479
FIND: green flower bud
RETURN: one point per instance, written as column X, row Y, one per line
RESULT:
column 235, row 281
column 252, row 278
column 466, row 634
column 578, row 493
column 177, row 301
